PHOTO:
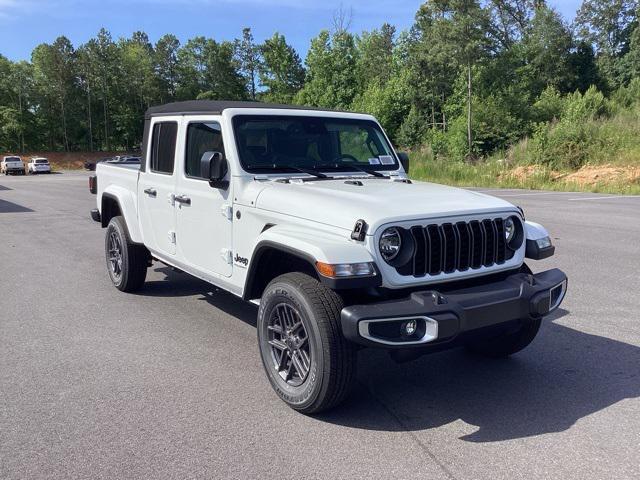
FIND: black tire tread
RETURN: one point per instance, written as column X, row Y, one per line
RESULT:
column 327, row 305
column 135, row 273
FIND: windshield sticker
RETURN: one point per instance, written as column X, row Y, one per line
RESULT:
column 374, row 161
column 386, row 159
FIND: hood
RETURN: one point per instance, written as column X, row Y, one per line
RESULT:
column 376, row 201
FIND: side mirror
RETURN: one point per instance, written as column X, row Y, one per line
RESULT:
column 404, row 160
column 214, row 167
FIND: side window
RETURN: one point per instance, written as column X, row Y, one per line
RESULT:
column 163, row 147
column 201, row 138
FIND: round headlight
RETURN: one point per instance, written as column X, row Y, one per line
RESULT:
column 390, row 244
column 513, row 233
column 509, row 229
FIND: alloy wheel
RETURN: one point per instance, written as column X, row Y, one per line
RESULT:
column 290, row 349
column 115, row 254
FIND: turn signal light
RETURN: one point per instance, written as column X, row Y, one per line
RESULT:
column 343, row 270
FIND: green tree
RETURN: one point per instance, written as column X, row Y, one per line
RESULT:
column 55, row 76
column 281, row 71
column 101, row 65
column 248, row 57
column 331, row 71
column 165, row 59
column 547, row 48
column 607, row 24
column 375, row 60
column 207, row 70
column 452, row 38
column 510, row 20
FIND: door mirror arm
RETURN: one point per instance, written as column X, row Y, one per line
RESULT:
column 214, row 167
column 404, row 160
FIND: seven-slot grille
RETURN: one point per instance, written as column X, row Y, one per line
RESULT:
column 457, row 246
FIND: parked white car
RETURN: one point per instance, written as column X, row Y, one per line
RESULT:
column 38, row 165
column 311, row 215
column 12, row 165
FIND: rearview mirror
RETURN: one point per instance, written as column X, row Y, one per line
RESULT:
column 404, row 160
column 214, row 167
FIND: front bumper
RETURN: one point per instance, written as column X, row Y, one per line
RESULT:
column 441, row 318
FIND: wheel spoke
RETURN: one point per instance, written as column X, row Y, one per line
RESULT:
column 304, row 356
column 275, row 328
column 282, row 316
column 288, row 340
column 289, row 314
column 289, row 372
column 280, row 345
column 282, row 363
column 298, row 364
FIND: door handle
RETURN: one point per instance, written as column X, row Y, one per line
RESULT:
column 151, row 192
column 183, row 200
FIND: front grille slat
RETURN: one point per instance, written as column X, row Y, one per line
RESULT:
column 449, row 247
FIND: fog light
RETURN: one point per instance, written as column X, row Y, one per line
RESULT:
column 409, row 328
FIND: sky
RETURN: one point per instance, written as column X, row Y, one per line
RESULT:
column 27, row 23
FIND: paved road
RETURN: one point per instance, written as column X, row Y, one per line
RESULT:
column 168, row 383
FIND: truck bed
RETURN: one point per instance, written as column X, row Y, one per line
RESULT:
column 110, row 175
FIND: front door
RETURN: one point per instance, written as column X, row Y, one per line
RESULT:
column 203, row 213
column 156, row 188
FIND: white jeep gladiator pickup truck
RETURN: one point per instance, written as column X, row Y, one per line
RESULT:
column 310, row 214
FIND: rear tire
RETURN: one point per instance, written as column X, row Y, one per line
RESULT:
column 507, row 344
column 309, row 363
column 126, row 261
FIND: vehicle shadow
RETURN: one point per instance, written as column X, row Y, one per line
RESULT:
column 179, row 284
column 563, row 376
column 10, row 207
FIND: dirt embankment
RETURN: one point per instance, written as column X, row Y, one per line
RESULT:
column 65, row 160
column 586, row 176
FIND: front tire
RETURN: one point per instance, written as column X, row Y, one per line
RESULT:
column 126, row 261
column 308, row 362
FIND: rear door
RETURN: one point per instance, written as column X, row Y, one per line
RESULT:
column 156, row 188
column 203, row 213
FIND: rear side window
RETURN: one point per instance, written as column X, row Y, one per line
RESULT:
column 201, row 138
column 163, row 147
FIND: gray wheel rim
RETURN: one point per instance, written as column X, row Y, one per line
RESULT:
column 289, row 343
column 115, row 254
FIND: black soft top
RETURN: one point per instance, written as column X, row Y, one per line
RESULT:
column 217, row 106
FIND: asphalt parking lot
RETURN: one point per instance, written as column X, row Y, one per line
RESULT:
column 168, row 383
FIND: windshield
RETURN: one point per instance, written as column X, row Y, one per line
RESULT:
column 42, row 161
column 285, row 143
column 12, row 159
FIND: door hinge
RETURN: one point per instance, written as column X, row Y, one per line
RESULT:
column 172, row 237
column 226, row 255
column 226, row 211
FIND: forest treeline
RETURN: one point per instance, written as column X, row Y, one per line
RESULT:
column 469, row 78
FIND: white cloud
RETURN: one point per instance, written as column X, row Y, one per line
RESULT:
column 13, row 8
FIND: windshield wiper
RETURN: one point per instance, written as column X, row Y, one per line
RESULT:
column 364, row 170
column 308, row 171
